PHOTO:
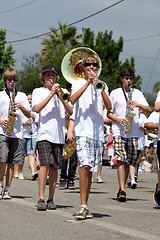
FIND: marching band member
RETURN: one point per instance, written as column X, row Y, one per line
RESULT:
column 51, row 132
column 124, row 100
column 12, row 103
column 156, row 196
column 89, row 127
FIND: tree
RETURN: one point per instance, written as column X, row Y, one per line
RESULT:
column 156, row 87
column 6, row 56
column 58, row 44
column 109, row 52
column 30, row 75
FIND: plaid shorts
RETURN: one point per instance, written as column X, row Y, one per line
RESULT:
column 89, row 153
column 125, row 149
column 50, row 153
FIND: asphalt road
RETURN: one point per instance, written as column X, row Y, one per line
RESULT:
column 138, row 218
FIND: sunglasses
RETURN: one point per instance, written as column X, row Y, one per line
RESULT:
column 87, row 64
column 12, row 79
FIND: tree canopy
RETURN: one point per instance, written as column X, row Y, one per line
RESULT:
column 58, row 43
column 6, row 56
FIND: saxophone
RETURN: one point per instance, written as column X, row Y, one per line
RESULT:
column 69, row 149
column 11, row 114
column 129, row 115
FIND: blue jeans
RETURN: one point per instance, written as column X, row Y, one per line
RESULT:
column 72, row 168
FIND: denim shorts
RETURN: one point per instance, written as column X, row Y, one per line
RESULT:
column 89, row 153
column 29, row 146
column 11, row 150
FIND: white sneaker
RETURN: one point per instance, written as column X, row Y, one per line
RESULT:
column 1, row 193
column 99, row 180
column 6, row 195
column 20, row 176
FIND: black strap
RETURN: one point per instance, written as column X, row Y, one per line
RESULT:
column 124, row 94
column 8, row 93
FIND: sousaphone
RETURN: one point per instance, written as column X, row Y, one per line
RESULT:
column 70, row 66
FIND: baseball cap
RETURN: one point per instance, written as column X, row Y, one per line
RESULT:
column 49, row 67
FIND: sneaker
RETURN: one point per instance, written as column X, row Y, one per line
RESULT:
column 136, row 179
column 88, row 214
column 129, row 184
column 41, row 206
column 6, row 195
column 16, row 174
column 71, row 185
column 121, row 196
column 34, row 176
column 99, row 180
column 62, row 184
column 38, row 167
column 47, row 181
column 156, row 196
column 81, row 214
column 1, row 193
column 133, row 184
column 20, row 176
column 51, row 205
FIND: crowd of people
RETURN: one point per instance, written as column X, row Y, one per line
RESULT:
column 34, row 124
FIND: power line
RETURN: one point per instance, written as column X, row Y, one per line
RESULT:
column 73, row 23
column 142, row 38
column 12, row 9
column 154, row 64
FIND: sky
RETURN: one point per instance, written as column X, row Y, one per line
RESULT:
column 137, row 21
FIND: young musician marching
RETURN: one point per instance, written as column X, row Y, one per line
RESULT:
column 12, row 103
column 156, row 196
column 88, row 127
column 51, row 132
column 126, row 144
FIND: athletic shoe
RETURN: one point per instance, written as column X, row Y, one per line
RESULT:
column 62, row 184
column 16, row 174
column 20, row 176
column 136, row 179
column 6, row 195
column 129, row 184
column 99, row 180
column 41, row 206
column 88, row 214
column 1, row 192
column 51, row 205
column 47, row 181
column 133, row 184
column 34, row 176
column 71, row 185
column 156, row 196
column 81, row 214
column 121, row 196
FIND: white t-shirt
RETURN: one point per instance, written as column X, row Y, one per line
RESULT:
column 158, row 100
column 141, row 136
column 119, row 104
column 88, row 112
column 153, row 118
column 51, row 125
column 4, row 107
column 31, row 128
